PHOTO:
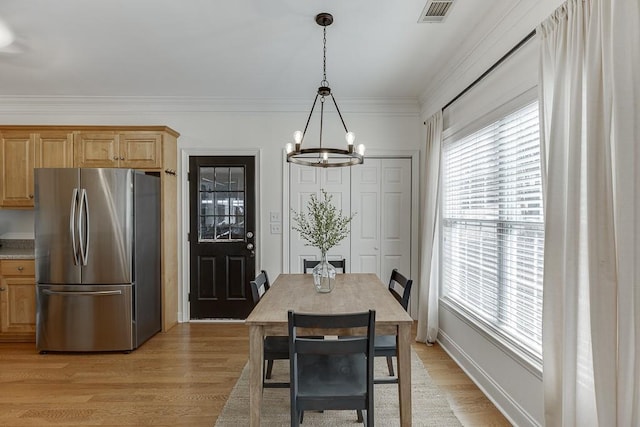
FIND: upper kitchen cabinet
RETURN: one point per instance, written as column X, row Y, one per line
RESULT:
column 23, row 150
column 129, row 149
column 54, row 149
column 17, row 160
column 96, row 149
column 140, row 150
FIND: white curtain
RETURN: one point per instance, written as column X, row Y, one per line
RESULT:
column 591, row 316
column 622, row 69
column 429, row 294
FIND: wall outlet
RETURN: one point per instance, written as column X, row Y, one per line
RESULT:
column 276, row 229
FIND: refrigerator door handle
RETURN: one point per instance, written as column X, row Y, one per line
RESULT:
column 72, row 224
column 84, row 237
column 82, row 293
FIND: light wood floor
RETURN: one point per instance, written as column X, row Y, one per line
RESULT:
column 179, row 378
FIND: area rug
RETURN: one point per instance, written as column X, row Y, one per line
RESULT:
column 429, row 405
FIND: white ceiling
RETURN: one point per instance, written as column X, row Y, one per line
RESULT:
column 243, row 49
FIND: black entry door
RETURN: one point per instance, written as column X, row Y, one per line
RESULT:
column 222, row 236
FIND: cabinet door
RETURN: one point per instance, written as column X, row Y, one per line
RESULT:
column 16, row 159
column 96, row 150
column 54, row 150
column 140, row 150
column 17, row 306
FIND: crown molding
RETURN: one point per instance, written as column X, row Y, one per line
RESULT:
column 483, row 49
column 130, row 104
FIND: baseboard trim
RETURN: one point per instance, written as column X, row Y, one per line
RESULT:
column 494, row 392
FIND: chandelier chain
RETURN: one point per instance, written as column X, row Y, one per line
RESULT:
column 324, row 57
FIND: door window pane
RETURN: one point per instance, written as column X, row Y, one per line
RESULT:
column 222, row 227
column 221, row 204
column 236, row 179
column 222, row 179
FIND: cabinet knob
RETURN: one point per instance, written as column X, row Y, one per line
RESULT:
column 3, row 289
column 20, row 268
column 115, row 157
column 121, row 158
column 31, row 196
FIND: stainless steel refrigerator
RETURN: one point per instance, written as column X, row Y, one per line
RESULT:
column 97, row 249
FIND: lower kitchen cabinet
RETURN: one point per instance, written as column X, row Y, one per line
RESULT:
column 17, row 300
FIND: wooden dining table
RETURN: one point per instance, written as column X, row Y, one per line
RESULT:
column 352, row 293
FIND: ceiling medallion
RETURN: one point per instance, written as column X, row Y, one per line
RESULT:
column 321, row 156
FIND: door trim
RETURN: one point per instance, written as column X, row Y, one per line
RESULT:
column 184, row 313
column 414, row 155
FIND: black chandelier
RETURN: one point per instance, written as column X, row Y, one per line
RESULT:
column 321, row 156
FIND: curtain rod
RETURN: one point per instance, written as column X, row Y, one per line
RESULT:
column 493, row 67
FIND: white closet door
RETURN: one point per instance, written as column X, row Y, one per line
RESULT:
column 365, row 226
column 305, row 181
column 381, row 230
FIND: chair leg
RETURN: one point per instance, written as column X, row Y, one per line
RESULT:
column 269, row 369
column 389, row 365
column 295, row 421
column 360, row 418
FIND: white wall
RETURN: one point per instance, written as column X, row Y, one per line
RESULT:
column 218, row 125
column 16, row 224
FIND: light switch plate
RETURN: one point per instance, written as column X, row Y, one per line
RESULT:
column 274, row 216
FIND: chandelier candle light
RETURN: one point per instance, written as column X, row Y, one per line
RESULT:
column 321, row 156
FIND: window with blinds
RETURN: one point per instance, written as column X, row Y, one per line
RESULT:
column 493, row 229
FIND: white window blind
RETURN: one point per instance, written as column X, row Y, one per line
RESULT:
column 493, row 229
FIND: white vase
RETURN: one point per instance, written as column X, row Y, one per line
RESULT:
column 324, row 275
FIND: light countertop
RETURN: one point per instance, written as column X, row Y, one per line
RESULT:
column 16, row 249
column 16, row 253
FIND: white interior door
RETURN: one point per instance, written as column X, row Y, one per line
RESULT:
column 305, row 181
column 365, row 226
column 381, row 231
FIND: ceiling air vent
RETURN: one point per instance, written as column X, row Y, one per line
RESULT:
column 435, row 11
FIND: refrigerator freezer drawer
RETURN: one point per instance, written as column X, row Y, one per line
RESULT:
column 84, row 318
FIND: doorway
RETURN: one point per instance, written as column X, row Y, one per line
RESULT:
column 222, row 218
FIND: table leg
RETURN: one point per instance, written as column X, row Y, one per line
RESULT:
column 404, row 373
column 256, row 365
